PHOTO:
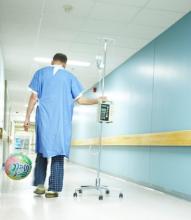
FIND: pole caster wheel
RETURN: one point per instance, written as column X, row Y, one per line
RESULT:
column 75, row 195
column 121, row 195
column 100, row 197
column 107, row 192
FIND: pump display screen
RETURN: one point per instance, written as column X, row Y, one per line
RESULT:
column 105, row 108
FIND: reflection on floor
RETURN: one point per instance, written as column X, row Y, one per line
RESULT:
column 18, row 202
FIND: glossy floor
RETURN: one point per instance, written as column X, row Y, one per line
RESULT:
column 17, row 201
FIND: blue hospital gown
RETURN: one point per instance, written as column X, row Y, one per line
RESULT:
column 56, row 95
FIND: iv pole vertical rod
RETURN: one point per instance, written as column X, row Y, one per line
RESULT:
column 98, row 181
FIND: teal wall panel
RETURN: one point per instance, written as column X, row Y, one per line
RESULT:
column 170, row 168
column 131, row 162
column 172, row 78
column 130, row 89
column 151, row 92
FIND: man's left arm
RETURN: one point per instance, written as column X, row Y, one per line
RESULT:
column 87, row 101
column 79, row 98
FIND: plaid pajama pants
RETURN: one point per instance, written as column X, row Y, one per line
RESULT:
column 56, row 175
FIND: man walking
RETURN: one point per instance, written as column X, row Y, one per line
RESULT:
column 54, row 90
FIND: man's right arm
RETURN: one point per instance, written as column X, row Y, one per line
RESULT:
column 32, row 102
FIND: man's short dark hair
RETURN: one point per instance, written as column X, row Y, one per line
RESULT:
column 60, row 57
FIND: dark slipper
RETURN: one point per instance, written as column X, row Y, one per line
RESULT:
column 49, row 194
column 39, row 191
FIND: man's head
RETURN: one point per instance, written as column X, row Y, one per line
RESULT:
column 59, row 59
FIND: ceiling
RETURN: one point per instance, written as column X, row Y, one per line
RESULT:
column 40, row 28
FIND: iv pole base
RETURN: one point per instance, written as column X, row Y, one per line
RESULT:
column 97, row 187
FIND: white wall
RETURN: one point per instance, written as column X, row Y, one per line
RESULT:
column 2, row 78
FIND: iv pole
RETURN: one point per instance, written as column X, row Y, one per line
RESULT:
column 98, row 180
column 101, row 64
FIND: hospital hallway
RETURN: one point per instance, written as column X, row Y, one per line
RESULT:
column 107, row 84
column 139, row 203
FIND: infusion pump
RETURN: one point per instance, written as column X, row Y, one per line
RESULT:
column 105, row 111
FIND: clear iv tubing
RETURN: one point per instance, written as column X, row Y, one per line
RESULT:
column 101, row 124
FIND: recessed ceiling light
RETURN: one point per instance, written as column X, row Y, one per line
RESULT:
column 78, row 63
column 68, row 8
column 46, row 60
column 42, row 60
